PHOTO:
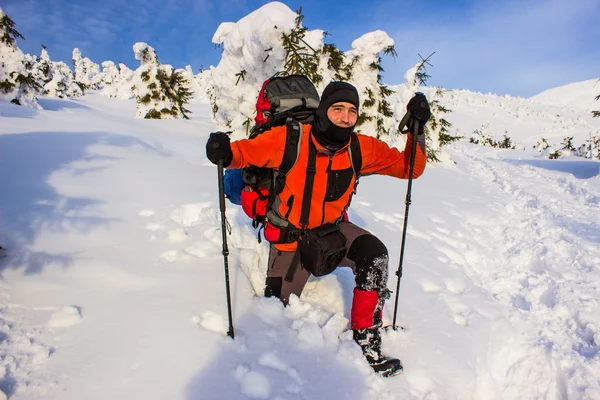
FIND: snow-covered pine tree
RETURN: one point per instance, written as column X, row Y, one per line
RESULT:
column 62, row 84
column 593, row 146
column 56, row 78
column 333, row 63
column 437, row 129
column 17, row 84
column 567, row 144
column 482, row 136
column 253, row 44
column 376, row 115
column 554, row 155
column 110, row 79
column 87, row 72
column 273, row 40
column 161, row 91
column 117, row 80
column 541, row 145
column 300, row 57
column 195, row 88
column 506, row 143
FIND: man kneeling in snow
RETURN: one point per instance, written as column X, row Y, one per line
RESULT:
column 313, row 204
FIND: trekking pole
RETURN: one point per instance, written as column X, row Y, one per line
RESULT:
column 225, row 249
column 413, row 153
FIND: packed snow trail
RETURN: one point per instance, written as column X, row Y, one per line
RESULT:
column 544, row 254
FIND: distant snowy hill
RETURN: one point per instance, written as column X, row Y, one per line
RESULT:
column 577, row 96
column 527, row 121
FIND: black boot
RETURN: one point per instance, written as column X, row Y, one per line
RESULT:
column 369, row 340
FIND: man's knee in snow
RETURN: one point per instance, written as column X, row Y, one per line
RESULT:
column 371, row 262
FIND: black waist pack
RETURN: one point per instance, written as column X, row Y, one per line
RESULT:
column 322, row 249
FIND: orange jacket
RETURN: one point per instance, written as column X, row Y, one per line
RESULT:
column 331, row 191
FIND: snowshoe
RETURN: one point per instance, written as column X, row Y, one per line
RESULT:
column 369, row 340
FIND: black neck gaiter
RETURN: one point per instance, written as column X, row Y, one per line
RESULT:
column 329, row 135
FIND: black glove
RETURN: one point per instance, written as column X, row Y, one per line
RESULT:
column 218, row 148
column 419, row 110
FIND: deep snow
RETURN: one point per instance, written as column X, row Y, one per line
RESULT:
column 113, row 281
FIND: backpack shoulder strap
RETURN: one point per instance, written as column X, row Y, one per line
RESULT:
column 292, row 141
column 290, row 155
column 355, row 155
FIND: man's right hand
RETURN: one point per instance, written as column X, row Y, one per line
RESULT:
column 419, row 108
column 218, row 148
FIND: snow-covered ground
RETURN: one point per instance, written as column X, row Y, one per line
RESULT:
column 113, row 287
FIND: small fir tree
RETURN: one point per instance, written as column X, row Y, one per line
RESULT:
column 567, row 144
column 505, row 143
column 555, row 155
column 541, row 145
column 300, row 57
column 437, row 129
column 483, row 137
column 17, row 84
column 160, row 90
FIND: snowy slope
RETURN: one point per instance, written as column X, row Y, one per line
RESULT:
column 578, row 96
column 113, row 283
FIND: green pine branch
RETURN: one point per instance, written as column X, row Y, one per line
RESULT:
column 9, row 33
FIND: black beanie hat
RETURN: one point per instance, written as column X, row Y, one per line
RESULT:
column 336, row 92
column 327, row 133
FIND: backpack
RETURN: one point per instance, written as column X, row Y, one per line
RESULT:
column 283, row 100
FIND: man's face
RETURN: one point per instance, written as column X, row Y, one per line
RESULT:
column 343, row 114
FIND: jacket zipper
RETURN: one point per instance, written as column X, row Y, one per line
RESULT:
column 326, row 184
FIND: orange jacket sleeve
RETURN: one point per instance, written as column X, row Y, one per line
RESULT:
column 265, row 150
column 379, row 158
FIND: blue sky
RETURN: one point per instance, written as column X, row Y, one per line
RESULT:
column 518, row 47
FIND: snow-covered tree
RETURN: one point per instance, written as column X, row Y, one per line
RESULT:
column 437, row 128
column 197, row 90
column 567, row 144
column 596, row 113
column 17, row 84
column 161, row 91
column 202, row 85
column 87, row 73
column 376, row 116
column 483, row 137
column 300, row 56
column 253, row 51
column 541, row 145
column 62, row 84
column 55, row 78
column 591, row 148
column 117, row 80
column 273, row 41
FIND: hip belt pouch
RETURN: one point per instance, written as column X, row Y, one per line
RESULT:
column 322, row 249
